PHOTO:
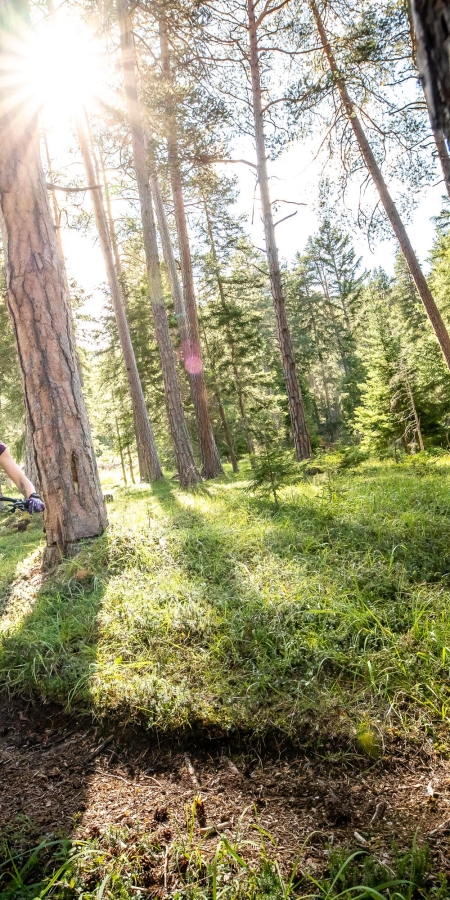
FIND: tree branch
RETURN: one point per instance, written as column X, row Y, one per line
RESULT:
column 207, row 160
column 73, row 190
column 286, row 217
column 268, row 10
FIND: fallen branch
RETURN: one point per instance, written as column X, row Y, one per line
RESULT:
column 99, row 749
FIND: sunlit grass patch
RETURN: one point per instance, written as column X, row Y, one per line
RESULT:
column 215, row 609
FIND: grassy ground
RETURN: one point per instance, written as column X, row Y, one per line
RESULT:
column 110, row 868
column 215, row 610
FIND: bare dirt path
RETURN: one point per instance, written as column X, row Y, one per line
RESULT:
column 63, row 776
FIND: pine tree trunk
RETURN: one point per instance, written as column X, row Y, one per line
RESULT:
column 30, row 462
column 211, row 465
column 149, row 465
column 412, row 404
column 385, row 197
column 119, row 444
column 186, row 467
column 62, row 259
column 111, row 225
column 223, row 418
column 444, row 158
column 130, row 465
column 302, row 441
column 38, row 305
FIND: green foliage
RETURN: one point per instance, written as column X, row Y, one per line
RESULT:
column 64, row 870
column 337, row 604
column 406, row 391
column 324, row 294
column 11, row 402
column 271, row 470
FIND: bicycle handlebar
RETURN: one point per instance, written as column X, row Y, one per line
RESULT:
column 17, row 503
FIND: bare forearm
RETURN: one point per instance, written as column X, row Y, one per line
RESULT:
column 14, row 472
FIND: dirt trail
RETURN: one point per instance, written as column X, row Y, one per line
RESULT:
column 63, row 776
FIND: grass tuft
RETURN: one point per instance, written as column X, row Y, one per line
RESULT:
column 215, row 610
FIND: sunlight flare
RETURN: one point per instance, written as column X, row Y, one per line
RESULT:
column 62, row 70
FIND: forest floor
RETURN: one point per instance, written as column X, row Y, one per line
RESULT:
column 220, row 698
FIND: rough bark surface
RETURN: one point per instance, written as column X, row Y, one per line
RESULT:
column 302, row 441
column 149, row 465
column 192, row 352
column 431, row 20
column 38, row 305
column 444, row 158
column 385, row 197
column 187, row 469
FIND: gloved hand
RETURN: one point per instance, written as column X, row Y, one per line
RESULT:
column 35, row 504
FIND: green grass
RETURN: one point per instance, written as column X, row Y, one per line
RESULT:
column 119, row 862
column 215, row 610
column 14, row 548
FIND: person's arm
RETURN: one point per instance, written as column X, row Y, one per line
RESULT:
column 14, row 472
column 23, row 484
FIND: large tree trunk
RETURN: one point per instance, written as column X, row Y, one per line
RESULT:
column 438, row 135
column 211, row 465
column 38, row 305
column 444, row 158
column 302, row 442
column 385, row 197
column 187, row 469
column 432, row 28
column 149, row 465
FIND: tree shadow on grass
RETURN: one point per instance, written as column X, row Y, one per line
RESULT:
column 191, row 617
column 323, row 602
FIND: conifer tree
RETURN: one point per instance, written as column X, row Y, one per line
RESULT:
column 386, row 199
column 149, row 465
column 186, row 466
column 38, row 306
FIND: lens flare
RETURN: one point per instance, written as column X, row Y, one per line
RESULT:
column 53, row 68
column 61, row 69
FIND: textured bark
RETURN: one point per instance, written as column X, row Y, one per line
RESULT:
column 431, row 19
column 385, row 197
column 186, row 467
column 444, row 158
column 211, row 465
column 302, row 441
column 149, row 465
column 38, row 305
column 30, row 462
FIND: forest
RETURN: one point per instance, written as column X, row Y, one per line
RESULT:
column 224, row 449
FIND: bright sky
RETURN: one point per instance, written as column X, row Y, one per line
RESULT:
column 63, row 70
column 293, row 180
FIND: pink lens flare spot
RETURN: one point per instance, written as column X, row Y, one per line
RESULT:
column 193, row 365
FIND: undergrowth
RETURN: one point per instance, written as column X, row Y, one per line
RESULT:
column 214, row 609
column 113, row 867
